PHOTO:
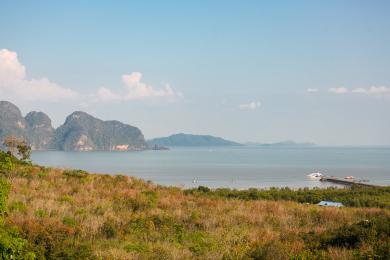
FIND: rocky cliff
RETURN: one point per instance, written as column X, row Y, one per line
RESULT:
column 83, row 132
column 80, row 132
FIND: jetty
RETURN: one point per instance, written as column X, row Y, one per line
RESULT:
column 346, row 181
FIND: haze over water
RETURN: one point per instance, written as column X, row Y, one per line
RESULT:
column 233, row 167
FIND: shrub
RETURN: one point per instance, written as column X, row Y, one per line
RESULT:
column 354, row 196
column 69, row 221
column 203, row 189
column 12, row 246
column 271, row 250
column 66, row 198
column 17, row 206
column 143, row 200
column 374, row 232
column 136, row 247
column 75, row 173
column 4, row 189
column 200, row 243
column 108, row 229
column 41, row 213
column 7, row 165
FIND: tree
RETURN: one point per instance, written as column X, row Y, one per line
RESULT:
column 18, row 147
column 11, row 142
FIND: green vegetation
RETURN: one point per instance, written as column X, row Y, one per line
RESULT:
column 71, row 214
column 12, row 246
column 354, row 197
column 374, row 232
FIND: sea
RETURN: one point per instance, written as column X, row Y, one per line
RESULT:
column 232, row 167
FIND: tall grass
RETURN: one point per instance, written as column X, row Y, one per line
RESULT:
column 75, row 215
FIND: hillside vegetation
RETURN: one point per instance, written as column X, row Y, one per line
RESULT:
column 70, row 214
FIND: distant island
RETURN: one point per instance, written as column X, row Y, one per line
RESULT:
column 191, row 140
column 83, row 132
column 288, row 143
column 80, row 132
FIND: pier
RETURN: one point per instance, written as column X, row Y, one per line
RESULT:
column 346, row 182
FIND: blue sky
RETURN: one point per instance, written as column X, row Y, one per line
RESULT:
column 262, row 71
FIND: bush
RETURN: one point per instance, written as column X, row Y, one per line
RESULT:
column 136, row 247
column 41, row 213
column 69, row 221
column 11, row 245
column 4, row 190
column 271, row 250
column 143, row 200
column 108, row 229
column 7, row 165
column 354, row 196
column 374, row 232
column 200, row 243
column 75, row 173
column 18, row 206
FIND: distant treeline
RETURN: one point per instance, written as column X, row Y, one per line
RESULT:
column 354, row 196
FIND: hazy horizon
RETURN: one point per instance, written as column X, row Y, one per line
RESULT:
column 248, row 72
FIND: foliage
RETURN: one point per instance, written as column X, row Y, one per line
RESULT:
column 18, row 147
column 12, row 246
column 108, row 229
column 75, row 173
column 4, row 190
column 355, row 196
column 7, row 165
column 71, row 214
column 373, row 233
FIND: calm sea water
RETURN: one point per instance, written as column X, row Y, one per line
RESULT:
column 234, row 167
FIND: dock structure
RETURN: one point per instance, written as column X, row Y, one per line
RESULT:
column 346, row 182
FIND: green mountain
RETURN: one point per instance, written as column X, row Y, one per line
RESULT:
column 191, row 140
column 80, row 132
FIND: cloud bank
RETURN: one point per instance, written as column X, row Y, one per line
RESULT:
column 135, row 88
column 250, row 106
column 15, row 85
column 373, row 90
column 311, row 90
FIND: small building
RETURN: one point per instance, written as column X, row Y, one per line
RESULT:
column 330, row 204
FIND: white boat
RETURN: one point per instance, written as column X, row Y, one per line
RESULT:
column 315, row 175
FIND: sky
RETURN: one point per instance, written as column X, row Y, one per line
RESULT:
column 262, row 71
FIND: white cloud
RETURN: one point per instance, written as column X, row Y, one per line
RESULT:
column 311, row 90
column 14, row 85
column 250, row 106
column 106, row 95
column 339, row 90
column 373, row 90
column 136, row 89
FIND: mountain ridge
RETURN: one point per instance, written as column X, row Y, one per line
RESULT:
column 182, row 139
column 80, row 131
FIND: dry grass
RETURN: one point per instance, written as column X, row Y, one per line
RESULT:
column 122, row 217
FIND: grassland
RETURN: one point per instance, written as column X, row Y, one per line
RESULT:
column 71, row 214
